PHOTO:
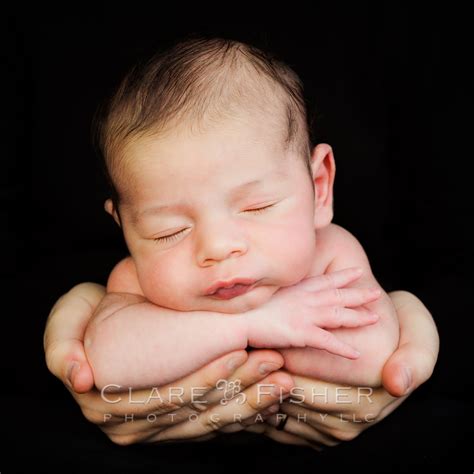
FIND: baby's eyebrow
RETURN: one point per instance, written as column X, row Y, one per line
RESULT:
column 242, row 188
column 238, row 191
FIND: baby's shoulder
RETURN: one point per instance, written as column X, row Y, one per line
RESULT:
column 334, row 238
column 124, row 278
column 338, row 244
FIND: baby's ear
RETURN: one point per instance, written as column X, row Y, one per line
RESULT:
column 109, row 208
column 323, row 169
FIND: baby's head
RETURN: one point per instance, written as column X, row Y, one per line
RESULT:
column 208, row 152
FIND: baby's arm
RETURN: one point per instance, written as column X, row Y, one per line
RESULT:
column 375, row 342
column 131, row 342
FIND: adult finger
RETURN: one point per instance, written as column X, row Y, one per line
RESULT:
column 249, row 402
column 64, row 331
column 283, row 436
column 301, row 429
column 173, row 396
column 335, row 427
column 342, row 401
column 259, row 364
column 414, row 360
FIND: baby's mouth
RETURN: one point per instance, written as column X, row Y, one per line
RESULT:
column 224, row 290
column 228, row 293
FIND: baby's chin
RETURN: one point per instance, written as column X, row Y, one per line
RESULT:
column 240, row 304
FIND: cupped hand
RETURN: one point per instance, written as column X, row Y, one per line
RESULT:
column 338, row 414
column 194, row 408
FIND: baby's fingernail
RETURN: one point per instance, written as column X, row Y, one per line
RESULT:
column 235, row 362
column 408, row 379
column 71, row 373
column 268, row 367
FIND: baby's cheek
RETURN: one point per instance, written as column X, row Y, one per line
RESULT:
column 155, row 283
column 294, row 252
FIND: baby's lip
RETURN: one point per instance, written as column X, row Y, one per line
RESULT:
column 227, row 284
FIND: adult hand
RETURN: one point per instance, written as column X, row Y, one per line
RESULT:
column 336, row 414
column 193, row 399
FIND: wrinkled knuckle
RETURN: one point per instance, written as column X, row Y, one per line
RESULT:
column 328, row 278
column 164, row 406
column 198, row 405
column 325, row 337
column 338, row 295
column 212, row 423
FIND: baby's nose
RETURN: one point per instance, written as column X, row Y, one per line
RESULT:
column 220, row 246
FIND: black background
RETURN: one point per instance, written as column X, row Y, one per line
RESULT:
column 389, row 87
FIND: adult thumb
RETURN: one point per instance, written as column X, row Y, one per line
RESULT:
column 408, row 367
column 68, row 362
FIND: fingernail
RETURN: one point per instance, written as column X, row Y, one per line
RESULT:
column 408, row 379
column 358, row 270
column 74, row 367
column 235, row 362
column 375, row 291
column 267, row 367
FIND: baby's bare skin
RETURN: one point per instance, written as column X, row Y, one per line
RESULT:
column 339, row 249
column 336, row 249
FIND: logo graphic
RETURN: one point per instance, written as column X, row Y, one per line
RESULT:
column 231, row 390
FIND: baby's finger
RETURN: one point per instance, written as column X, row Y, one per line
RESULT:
column 344, row 317
column 338, row 279
column 348, row 297
column 253, row 400
column 320, row 339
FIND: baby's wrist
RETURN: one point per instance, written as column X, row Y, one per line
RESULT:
column 250, row 320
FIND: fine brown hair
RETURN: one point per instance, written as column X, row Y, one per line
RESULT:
column 199, row 82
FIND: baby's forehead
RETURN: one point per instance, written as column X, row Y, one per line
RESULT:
column 180, row 169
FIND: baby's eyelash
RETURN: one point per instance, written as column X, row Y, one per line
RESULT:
column 169, row 238
column 260, row 209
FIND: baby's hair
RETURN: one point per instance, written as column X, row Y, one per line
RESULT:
column 197, row 83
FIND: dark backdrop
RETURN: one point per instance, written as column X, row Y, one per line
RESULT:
column 390, row 95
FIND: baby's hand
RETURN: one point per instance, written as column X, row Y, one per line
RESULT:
column 295, row 315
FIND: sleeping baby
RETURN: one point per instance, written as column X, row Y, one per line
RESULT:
column 226, row 211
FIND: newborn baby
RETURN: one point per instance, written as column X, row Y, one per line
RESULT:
column 226, row 211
